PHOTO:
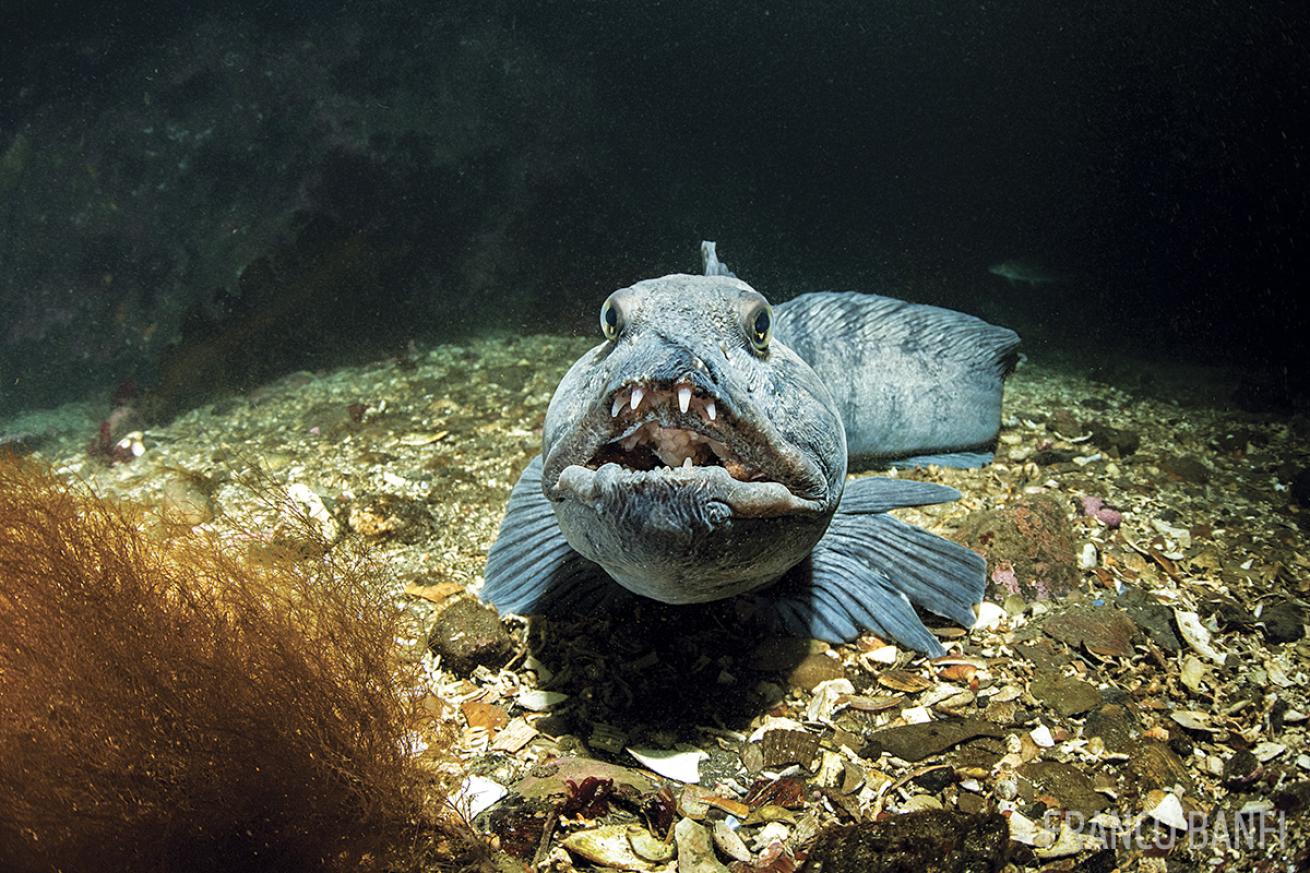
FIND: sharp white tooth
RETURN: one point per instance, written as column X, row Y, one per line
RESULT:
column 684, row 397
column 686, row 462
column 637, row 394
column 710, row 412
column 618, row 404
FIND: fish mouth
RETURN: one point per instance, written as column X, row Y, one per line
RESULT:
column 649, row 436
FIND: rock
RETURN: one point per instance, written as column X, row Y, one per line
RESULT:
column 1156, row 765
column 1186, row 469
column 815, row 668
column 468, row 634
column 1115, row 726
column 1104, row 861
column 1236, row 439
column 1052, row 457
column 553, row 778
column 1064, row 695
column 1283, row 623
column 1115, row 441
column 379, row 516
column 1301, row 488
column 186, row 500
column 729, row 843
column 21, row 443
column 1103, row 630
column 1154, row 618
column 776, row 654
column 940, row 841
column 1293, row 798
column 695, row 853
column 1231, row 615
column 1065, row 423
column 914, row 742
column 1034, row 539
column 935, row 780
column 1065, row 782
column 1241, row 769
column 971, row 803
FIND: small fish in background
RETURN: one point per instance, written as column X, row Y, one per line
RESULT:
column 700, row 452
column 1026, row 273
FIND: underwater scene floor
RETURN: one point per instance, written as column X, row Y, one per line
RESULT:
column 1134, row 695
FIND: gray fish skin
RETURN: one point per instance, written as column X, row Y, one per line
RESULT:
column 908, row 379
column 764, row 511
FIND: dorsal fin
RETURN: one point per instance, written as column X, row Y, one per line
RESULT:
column 713, row 266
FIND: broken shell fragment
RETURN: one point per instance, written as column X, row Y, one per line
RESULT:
column 615, row 846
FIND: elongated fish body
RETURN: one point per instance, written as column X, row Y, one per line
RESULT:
column 1025, row 273
column 908, row 379
column 700, row 452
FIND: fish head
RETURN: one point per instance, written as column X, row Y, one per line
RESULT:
column 691, row 454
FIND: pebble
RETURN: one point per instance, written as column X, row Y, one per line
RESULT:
column 1041, row 735
column 1087, row 558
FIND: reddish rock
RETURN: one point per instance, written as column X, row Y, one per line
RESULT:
column 1029, row 548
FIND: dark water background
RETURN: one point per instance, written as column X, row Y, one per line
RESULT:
column 198, row 196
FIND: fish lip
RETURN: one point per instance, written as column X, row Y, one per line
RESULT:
column 600, row 486
column 750, row 437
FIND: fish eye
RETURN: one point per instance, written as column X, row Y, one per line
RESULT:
column 610, row 323
column 760, row 327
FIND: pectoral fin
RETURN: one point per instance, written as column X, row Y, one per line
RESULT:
column 958, row 460
column 531, row 567
column 871, row 569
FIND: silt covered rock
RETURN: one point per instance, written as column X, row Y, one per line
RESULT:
column 1029, row 548
column 948, row 842
column 468, row 634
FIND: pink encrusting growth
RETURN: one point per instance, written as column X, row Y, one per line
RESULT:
column 1095, row 507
